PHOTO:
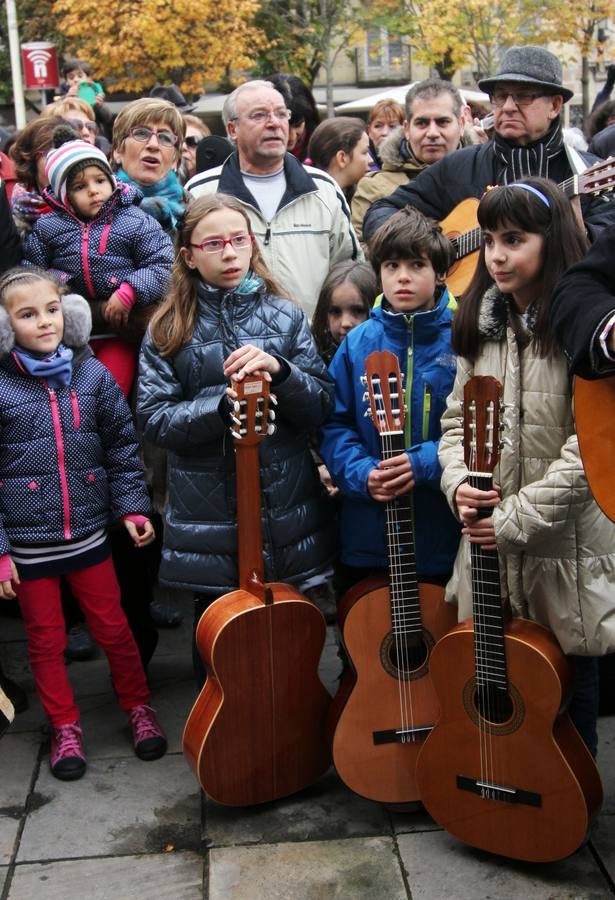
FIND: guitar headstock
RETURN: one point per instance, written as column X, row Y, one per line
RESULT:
column 385, row 391
column 252, row 416
column 482, row 404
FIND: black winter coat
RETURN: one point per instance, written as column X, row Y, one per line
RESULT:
column 181, row 407
column 439, row 188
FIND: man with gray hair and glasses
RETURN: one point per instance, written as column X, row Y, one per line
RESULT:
column 298, row 213
column 528, row 95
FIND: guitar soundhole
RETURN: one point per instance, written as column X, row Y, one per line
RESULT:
column 405, row 657
column 493, row 710
column 493, row 705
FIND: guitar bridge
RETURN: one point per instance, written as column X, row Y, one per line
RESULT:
column 490, row 790
column 400, row 735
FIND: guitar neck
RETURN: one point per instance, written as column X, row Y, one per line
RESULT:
column 489, row 651
column 249, row 536
column 404, row 591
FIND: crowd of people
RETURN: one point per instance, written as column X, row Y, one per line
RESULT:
column 148, row 270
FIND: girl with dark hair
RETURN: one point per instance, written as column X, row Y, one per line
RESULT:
column 29, row 154
column 557, row 549
column 340, row 147
column 345, row 300
column 222, row 320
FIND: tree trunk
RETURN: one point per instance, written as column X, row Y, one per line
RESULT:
column 444, row 67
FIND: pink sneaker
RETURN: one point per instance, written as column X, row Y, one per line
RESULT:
column 147, row 735
column 67, row 759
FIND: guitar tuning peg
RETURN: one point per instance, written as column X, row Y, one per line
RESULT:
column 368, row 413
column 271, row 429
column 273, row 399
column 236, row 406
column 236, row 435
column 363, row 379
column 272, row 415
column 365, row 397
column 235, row 420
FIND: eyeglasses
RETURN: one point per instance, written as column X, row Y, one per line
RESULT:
column 519, row 98
column 142, row 134
column 79, row 125
column 217, row 245
column 191, row 141
column 260, row 116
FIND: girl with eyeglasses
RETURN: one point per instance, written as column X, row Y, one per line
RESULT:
column 224, row 319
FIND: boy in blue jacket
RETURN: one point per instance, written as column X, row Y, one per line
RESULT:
column 412, row 318
column 98, row 241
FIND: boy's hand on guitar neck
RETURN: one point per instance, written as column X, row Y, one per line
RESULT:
column 391, row 478
column 477, row 529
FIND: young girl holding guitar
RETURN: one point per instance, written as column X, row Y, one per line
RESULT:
column 556, row 548
column 224, row 319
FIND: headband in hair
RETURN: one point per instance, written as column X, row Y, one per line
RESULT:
column 530, row 187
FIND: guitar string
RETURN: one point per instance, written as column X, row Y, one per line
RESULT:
column 405, row 692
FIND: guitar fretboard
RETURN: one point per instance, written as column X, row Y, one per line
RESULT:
column 404, row 591
column 488, row 616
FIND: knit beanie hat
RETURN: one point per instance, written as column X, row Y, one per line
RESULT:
column 71, row 157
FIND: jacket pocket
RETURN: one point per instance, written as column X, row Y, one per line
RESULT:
column 21, row 501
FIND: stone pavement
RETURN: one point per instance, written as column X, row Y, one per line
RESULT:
column 131, row 830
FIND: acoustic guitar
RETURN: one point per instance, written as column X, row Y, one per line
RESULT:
column 461, row 224
column 503, row 769
column 594, row 413
column 257, row 731
column 388, row 704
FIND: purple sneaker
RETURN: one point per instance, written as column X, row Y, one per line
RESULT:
column 147, row 735
column 67, row 759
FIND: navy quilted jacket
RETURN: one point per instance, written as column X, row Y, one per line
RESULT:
column 122, row 243
column 69, row 457
column 178, row 408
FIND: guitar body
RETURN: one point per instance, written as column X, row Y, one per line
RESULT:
column 461, row 220
column 535, row 751
column 257, row 731
column 594, row 411
column 368, row 761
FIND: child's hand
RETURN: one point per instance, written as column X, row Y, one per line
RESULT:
column 141, row 531
column 250, row 360
column 114, row 311
column 6, row 586
column 99, row 99
column 468, row 500
column 482, row 532
column 325, row 477
column 392, row 478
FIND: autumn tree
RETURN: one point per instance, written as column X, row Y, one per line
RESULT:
column 135, row 43
column 448, row 36
column 579, row 24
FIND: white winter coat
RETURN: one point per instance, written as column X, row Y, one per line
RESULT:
column 557, row 549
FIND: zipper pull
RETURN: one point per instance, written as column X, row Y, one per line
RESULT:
column 267, row 235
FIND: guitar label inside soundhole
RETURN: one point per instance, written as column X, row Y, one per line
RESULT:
column 495, row 712
column 405, row 657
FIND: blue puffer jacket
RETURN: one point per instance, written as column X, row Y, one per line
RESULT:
column 351, row 444
column 178, row 408
column 69, row 457
column 94, row 256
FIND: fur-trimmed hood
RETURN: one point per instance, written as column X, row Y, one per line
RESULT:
column 77, row 325
column 495, row 315
column 396, row 155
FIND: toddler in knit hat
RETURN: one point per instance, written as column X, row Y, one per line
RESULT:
column 98, row 241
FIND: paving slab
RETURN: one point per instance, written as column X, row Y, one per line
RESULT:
column 355, row 869
column 121, row 806
column 324, row 811
column 606, row 761
column 3, row 874
column 18, row 756
column 439, row 866
column 603, row 842
column 169, row 876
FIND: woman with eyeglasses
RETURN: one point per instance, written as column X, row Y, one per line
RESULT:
column 148, row 136
column 196, row 130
